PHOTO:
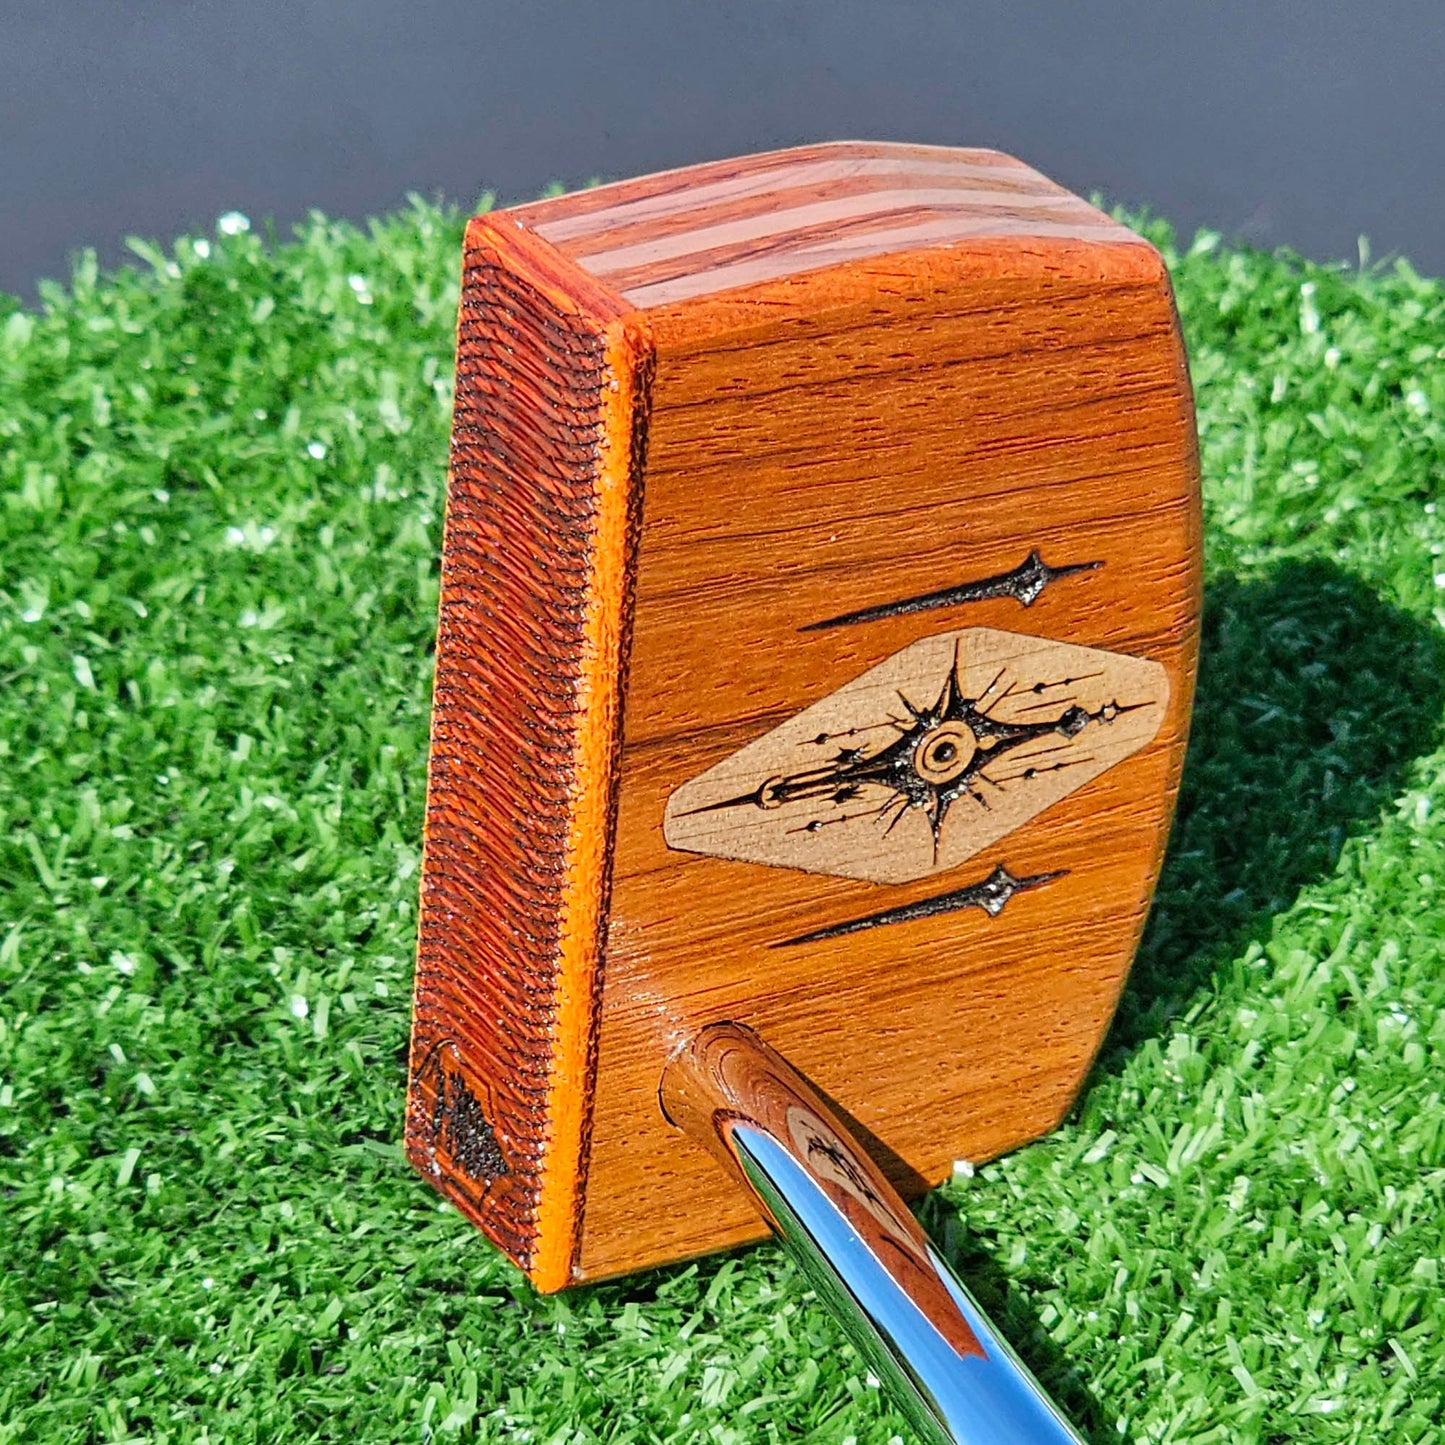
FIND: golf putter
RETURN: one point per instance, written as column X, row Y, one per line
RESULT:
column 819, row 609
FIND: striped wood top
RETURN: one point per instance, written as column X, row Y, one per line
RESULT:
column 727, row 224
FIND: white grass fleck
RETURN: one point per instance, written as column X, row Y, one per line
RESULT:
column 1309, row 316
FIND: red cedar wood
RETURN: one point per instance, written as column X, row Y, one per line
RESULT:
column 727, row 1073
column 876, row 371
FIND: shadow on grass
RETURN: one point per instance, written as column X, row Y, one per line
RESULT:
column 1314, row 699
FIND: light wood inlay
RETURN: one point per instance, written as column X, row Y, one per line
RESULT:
column 925, row 760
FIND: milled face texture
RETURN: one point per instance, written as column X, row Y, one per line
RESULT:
column 924, row 760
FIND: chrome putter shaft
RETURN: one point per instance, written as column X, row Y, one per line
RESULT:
column 859, row 1246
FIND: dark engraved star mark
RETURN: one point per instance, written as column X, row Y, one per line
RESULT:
column 1024, row 584
column 992, row 895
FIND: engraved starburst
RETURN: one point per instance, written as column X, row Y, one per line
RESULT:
column 931, row 757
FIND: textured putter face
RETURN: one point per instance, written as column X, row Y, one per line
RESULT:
column 923, row 761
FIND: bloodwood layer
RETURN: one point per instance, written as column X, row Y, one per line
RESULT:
column 693, row 232
column 536, row 564
column 728, row 1077
column 840, row 422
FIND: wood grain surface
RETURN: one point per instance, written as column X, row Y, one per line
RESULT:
column 728, row 1077
column 883, row 379
column 730, row 224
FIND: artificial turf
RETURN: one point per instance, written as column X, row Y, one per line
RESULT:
column 222, row 477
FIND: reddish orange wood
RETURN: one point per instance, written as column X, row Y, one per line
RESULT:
column 536, row 574
column 728, row 1074
column 845, row 377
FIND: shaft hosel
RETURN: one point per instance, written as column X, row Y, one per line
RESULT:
column 857, row 1243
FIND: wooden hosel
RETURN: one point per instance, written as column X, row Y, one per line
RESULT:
column 819, row 607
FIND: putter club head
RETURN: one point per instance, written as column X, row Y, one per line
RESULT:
column 819, row 610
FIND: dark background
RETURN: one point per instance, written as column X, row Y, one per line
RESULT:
column 1303, row 124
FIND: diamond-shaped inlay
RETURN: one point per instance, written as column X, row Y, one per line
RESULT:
column 932, row 755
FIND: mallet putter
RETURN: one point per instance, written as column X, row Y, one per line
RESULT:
column 819, row 605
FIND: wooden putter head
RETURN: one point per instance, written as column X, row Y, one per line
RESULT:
column 819, row 609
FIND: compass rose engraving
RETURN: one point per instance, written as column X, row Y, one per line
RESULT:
column 912, row 768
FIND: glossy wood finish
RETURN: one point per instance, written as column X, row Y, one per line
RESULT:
column 726, row 1076
column 684, row 234
column 963, row 369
